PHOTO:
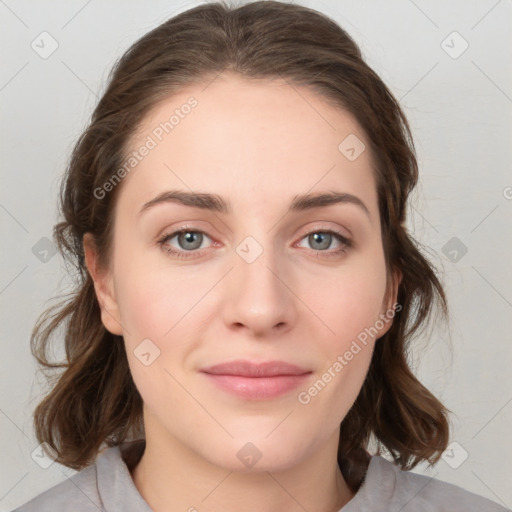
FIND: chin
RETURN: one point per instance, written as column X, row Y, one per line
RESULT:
column 246, row 454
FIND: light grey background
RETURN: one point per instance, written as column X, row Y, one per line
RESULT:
column 460, row 111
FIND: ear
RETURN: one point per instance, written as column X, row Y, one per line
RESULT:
column 103, row 286
column 389, row 304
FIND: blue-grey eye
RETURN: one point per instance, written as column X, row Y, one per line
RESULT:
column 190, row 240
column 320, row 240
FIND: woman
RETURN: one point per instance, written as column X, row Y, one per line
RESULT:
column 248, row 289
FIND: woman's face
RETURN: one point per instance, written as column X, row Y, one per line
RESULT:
column 271, row 276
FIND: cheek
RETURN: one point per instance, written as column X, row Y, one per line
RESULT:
column 350, row 307
column 144, row 311
column 155, row 305
column 152, row 297
column 349, row 303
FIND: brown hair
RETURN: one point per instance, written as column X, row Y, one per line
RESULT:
column 94, row 401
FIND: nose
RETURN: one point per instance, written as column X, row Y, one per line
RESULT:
column 259, row 297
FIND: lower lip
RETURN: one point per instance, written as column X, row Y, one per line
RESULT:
column 258, row 388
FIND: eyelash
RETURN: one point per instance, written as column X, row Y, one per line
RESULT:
column 345, row 243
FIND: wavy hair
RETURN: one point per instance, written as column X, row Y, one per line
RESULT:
column 93, row 400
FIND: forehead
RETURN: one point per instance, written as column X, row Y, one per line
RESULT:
column 252, row 139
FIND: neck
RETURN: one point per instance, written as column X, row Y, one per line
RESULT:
column 170, row 477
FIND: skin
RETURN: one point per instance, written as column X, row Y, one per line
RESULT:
column 256, row 143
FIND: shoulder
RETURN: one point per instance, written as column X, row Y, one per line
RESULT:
column 388, row 484
column 78, row 493
column 105, row 485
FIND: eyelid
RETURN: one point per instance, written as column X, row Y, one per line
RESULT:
column 345, row 242
column 322, row 227
column 168, row 235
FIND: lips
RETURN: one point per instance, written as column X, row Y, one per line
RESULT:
column 256, row 381
column 248, row 369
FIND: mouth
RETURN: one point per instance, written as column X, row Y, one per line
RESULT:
column 257, row 381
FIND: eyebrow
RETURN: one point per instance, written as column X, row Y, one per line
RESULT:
column 216, row 203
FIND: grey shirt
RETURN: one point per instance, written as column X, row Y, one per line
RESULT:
column 107, row 486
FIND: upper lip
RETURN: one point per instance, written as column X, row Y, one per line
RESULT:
column 249, row 369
